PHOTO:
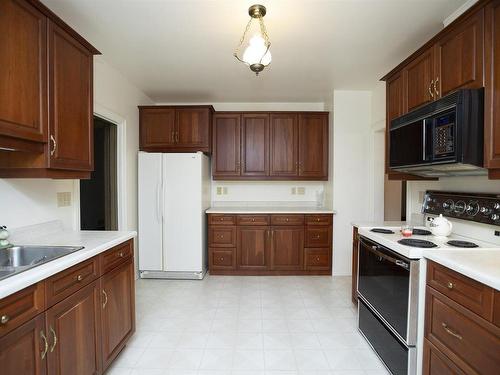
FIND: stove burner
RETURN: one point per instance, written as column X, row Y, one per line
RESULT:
column 421, row 232
column 458, row 243
column 381, row 230
column 416, row 243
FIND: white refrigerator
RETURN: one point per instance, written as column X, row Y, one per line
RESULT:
column 174, row 192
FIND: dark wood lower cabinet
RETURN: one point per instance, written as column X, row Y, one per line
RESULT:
column 79, row 335
column 74, row 334
column 354, row 278
column 118, row 321
column 269, row 244
column 23, row 350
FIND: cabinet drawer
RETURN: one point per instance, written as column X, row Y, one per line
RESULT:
column 318, row 237
column 317, row 259
column 318, row 219
column 20, row 307
column 469, row 293
column 222, row 259
column 436, row 363
column 468, row 340
column 253, row 219
column 219, row 219
column 116, row 256
column 287, row 219
column 67, row 282
column 222, row 236
column 496, row 309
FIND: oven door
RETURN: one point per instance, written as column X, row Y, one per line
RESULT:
column 388, row 283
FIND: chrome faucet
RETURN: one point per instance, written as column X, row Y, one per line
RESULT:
column 4, row 235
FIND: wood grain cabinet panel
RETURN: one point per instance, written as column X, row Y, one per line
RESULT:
column 317, row 259
column 73, row 332
column 284, row 136
column 287, row 248
column 253, row 220
column 23, row 76
column 355, row 255
column 253, row 248
column 70, row 101
column 459, row 57
column 157, row 128
column 117, row 309
column 496, row 309
column 254, row 144
column 318, row 237
column 436, row 363
column 226, row 146
column 419, row 77
column 296, row 219
column 313, row 146
column 221, row 219
column 116, row 256
column 193, row 129
column 222, row 259
column 222, row 236
column 21, row 350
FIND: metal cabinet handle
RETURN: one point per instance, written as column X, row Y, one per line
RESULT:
column 4, row 319
column 45, row 345
column 105, row 298
column 450, row 285
column 120, row 254
column 287, row 220
column 431, row 87
column 55, row 339
column 316, row 237
column 54, row 145
column 79, row 278
column 317, row 259
column 451, row 332
column 436, row 87
column 221, row 259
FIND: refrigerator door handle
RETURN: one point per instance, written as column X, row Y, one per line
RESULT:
column 158, row 214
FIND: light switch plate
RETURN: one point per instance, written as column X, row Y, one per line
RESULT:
column 224, row 190
column 219, row 190
column 301, row 190
column 294, row 190
column 64, row 199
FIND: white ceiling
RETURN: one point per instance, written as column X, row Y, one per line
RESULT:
column 181, row 50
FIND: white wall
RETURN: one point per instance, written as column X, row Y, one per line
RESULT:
column 25, row 202
column 352, row 170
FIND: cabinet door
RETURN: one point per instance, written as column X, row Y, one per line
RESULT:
column 419, row 75
column 73, row 333
column 313, row 146
column 23, row 73
column 395, row 107
column 226, row 144
column 284, row 135
column 492, row 87
column 287, row 250
column 118, row 314
column 21, row 351
column 157, row 129
column 70, row 102
column 255, row 145
column 459, row 56
column 253, row 248
column 193, row 129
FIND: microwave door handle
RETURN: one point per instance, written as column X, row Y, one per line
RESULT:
column 400, row 263
column 424, row 156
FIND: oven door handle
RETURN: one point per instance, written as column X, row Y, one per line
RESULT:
column 374, row 249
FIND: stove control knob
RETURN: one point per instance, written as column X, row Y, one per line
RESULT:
column 496, row 206
column 448, row 205
column 460, row 207
column 485, row 210
column 495, row 217
column 472, row 208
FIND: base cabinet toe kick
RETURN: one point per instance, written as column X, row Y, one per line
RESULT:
column 74, row 322
column 270, row 244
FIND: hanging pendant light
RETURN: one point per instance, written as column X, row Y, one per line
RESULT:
column 257, row 54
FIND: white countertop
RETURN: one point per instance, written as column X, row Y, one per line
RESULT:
column 94, row 242
column 480, row 265
column 269, row 210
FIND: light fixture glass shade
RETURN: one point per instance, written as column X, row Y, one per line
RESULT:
column 257, row 52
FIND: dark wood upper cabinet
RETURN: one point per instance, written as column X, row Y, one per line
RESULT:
column 253, row 248
column 459, row 57
column 254, row 144
column 157, row 129
column 175, row 128
column 74, row 334
column 287, row 248
column 21, row 350
column 284, row 135
column 313, row 146
column 117, row 309
column 226, row 145
column 419, row 80
column 23, row 73
column 70, row 102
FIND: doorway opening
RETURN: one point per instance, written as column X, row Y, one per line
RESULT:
column 98, row 195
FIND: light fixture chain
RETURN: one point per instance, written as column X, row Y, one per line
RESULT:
column 264, row 31
column 237, row 50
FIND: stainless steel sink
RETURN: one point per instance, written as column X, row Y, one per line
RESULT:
column 16, row 259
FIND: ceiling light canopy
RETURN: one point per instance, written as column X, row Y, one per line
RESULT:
column 256, row 54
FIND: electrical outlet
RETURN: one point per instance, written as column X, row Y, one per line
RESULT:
column 497, row 233
column 301, row 190
column 224, row 190
column 294, row 190
column 64, row 199
column 219, row 190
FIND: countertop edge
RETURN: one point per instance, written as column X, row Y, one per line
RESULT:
column 30, row 277
column 270, row 211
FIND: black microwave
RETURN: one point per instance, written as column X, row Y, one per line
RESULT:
column 442, row 138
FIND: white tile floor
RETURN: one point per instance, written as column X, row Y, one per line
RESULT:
column 227, row 325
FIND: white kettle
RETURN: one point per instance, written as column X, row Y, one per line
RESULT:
column 441, row 226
